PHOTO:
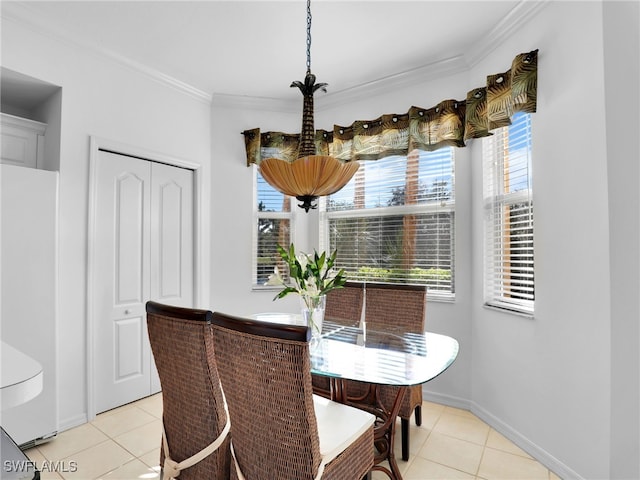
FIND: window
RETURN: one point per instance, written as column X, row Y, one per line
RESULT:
column 508, row 219
column 394, row 221
column 273, row 220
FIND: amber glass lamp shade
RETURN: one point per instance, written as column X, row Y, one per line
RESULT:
column 309, row 177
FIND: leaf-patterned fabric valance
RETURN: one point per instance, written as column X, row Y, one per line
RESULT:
column 450, row 123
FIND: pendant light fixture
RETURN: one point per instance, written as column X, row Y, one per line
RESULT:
column 309, row 176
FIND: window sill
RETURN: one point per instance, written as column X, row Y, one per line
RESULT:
column 509, row 310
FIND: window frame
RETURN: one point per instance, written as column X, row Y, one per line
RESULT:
column 257, row 215
column 430, row 208
column 495, row 205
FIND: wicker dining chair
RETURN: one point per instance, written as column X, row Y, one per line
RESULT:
column 343, row 307
column 403, row 307
column 194, row 415
column 279, row 429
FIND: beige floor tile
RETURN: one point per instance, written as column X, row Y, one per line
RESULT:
column 116, row 423
column 72, row 441
column 459, row 411
column 430, row 414
column 422, row 469
column 152, row 405
column 417, row 437
column 143, row 439
column 463, row 427
column 134, row 469
column 98, row 460
column 500, row 442
column 151, row 459
column 498, row 465
column 46, row 468
column 452, row 452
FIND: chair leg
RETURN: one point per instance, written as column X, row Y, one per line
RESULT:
column 418, row 415
column 404, row 422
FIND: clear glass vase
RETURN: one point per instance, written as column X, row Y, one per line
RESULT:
column 313, row 315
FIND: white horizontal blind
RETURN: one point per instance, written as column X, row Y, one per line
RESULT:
column 394, row 221
column 273, row 219
column 508, row 220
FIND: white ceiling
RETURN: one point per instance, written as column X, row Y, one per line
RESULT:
column 257, row 48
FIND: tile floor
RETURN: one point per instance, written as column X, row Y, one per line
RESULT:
column 124, row 444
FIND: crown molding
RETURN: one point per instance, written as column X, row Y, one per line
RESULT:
column 517, row 17
column 24, row 15
column 438, row 68
column 255, row 103
column 511, row 23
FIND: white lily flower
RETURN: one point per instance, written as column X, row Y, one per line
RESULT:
column 303, row 259
column 275, row 278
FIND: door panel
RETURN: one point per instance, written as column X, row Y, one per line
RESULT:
column 172, row 242
column 130, row 241
column 143, row 251
column 122, row 354
column 129, row 351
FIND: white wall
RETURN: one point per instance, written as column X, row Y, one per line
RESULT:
column 622, row 93
column 102, row 98
column 545, row 381
column 232, row 197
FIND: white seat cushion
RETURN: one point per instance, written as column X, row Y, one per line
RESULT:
column 338, row 426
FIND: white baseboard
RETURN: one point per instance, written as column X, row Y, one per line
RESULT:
column 540, row 454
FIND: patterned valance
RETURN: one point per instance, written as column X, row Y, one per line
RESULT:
column 450, row 123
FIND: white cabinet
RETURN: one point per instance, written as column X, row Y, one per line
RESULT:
column 29, row 292
column 22, row 141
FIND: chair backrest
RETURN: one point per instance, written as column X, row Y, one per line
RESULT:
column 344, row 305
column 266, row 376
column 389, row 306
column 193, row 409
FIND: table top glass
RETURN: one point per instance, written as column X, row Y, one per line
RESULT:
column 384, row 357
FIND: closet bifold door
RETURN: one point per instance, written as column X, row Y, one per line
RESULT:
column 143, row 250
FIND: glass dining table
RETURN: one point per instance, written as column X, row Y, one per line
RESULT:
column 375, row 358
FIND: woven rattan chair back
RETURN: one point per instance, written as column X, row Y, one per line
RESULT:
column 403, row 307
column 391, row 306
column 265, row 373
column 192, row 402
column 344, row 305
